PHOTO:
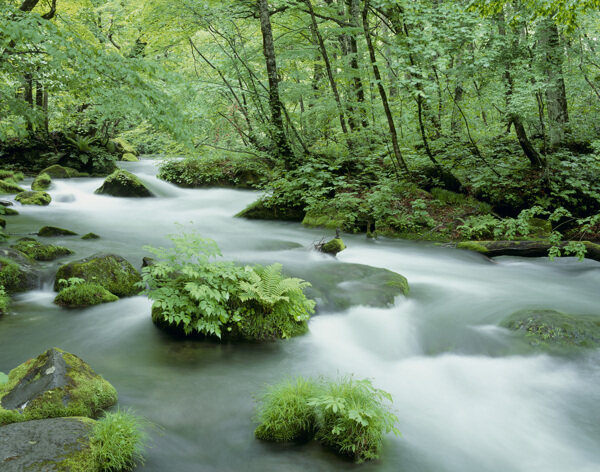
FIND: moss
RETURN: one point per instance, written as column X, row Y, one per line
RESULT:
column 112, row 272
column 53, row 231
column 8, row 187
column 261, row 210
column 12, row 277
column 329, row 220
column 8, row 211
column 123, row 184
column 120, row 145
column 85, row 394
column 81, row 458
column 90, row 236
column 40, row 252
column 83, row 295
column 60, row 172
column 2, row 223
column 11, row 175
column 128, row 157
column 4, row 301
column 553, row 329
column 34, row 198
column 472, row 246
column 333, row 247
column 41, row 182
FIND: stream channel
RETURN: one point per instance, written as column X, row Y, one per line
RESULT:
column 470, row 396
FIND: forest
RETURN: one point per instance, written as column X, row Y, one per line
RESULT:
column 361, row 226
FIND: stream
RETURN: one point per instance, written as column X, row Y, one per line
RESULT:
column 469, row 396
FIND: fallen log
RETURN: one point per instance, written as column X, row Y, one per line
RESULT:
column 524, row 248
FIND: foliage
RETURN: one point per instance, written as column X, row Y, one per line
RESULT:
column 215, row 298
column 83, row 294
column 118, row 441
column 350, row 416
column 4, row 302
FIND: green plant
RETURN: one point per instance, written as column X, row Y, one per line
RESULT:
column 81, row 143
column 70, row 282
column 118, row 441
column 4, row 300
column 3, row 378
column 350, row 416
column 196, row 294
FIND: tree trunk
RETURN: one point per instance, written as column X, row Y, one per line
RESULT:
column 280, row 141
column 357, row 82
column 382, row 93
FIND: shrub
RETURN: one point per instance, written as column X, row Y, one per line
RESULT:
column 118, row 441
column 350, row 416
column 4, row 300
column 214, row 298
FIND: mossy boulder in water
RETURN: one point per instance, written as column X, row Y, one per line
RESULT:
column 60, row 172
column 41, row 182
column 34, row 198
column 11, row 175
column 40, row 252
column 337, row 286
column 128, row 157
column 8, row 211
column 54, row 384
column 552, row 329
column 265, row 210
column 123, row 184
column 54, row 444
column 114, row 273
column 83, row 295
column 333, row 247
column 16, row 273
column 8, row 187
column 54, row 231
column 90, row 236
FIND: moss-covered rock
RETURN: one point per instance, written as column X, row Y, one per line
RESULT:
column 2, row 223
column 333, row 247
column 41, row 182
column 8, row 187
column 54, row 231
column 337, row 286
column 16, row 275
column 83, row 295
column 8, row 211
column 59, row 172
column 34, row 198
column 128, row 157
column 262, row 210
column 54, row 384
column 552, row 329
column 90, row 236
column 4, row 302
column 121, row 146
column 40, row 252
column 114, row 273
column 11, row 175
column 54, row 444
column 123, row 184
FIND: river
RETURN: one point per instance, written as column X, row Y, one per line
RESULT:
column 470, row 397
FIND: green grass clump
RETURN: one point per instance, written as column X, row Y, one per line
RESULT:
column 285, row 413
column 4, row 301
column 118, row 441
column 83, row 295
column 348, row 415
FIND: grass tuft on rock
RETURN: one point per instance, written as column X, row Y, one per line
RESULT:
column 84, row 295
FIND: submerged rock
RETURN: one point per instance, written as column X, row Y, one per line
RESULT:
column 8, row 187
column 54, row 231
column 41, row 182
column 261, row 210
column 90, row 236
column 49, row 444
column 54, row 384
column 337, row 286
column 114, row 273
column 34, row 198
column 40, row 252
column 84, row 295
column 8, row 211
column 553, row 329
column 123, row 184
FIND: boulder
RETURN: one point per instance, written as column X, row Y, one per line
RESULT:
column 337, row 286
column 552, row 329
column 53, row 231
column 261, row 210
column 41, row 182
column 11, row 175
column 40, row 252
column 16, row 272
column 332, row 247
column 34, row 198
column 8, row 187
column 8, row 211
column 84, row 295
column 123, row 184
column 48, row 445
column 54, row 384
column 59, row 172
column 128, row 157
column 114, row 273
column 90, row 236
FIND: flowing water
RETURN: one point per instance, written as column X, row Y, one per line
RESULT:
column 469, row 397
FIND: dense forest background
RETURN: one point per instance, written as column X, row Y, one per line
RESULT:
column 428, row 119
